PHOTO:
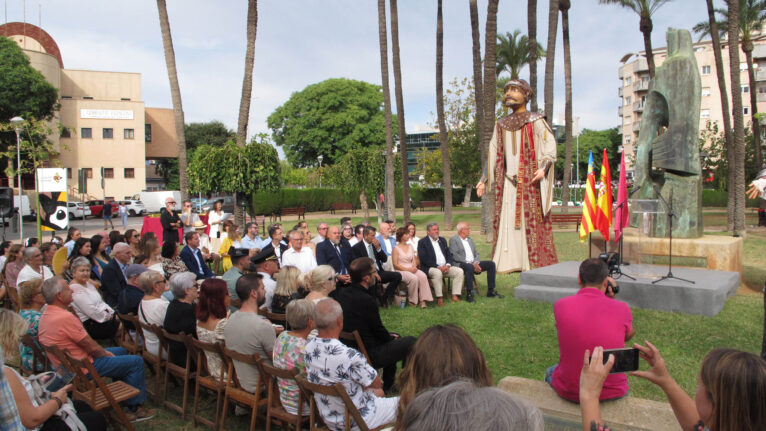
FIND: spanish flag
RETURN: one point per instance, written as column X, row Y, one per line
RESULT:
column 604, row 205
column 588, row 223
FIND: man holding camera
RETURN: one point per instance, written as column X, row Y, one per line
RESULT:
column 588, row 319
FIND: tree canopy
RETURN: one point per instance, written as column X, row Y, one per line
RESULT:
column 23, row 90
column 212, row 133
column 329, row 119
column 595, row 140
column 513, row 53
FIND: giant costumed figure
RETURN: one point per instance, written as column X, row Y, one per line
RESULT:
column 520, row 168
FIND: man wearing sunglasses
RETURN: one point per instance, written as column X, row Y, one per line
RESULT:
column 170, row 221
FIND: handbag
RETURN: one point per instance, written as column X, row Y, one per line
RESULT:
column 67, row 412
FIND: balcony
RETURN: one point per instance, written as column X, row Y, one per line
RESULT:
column 620, row 73
column 761, row 97
column 619, row 92
column 641, row 85
column 638, row 106
column 636, row 126
column 760, row 75
column 640, row 65
column 619, row 111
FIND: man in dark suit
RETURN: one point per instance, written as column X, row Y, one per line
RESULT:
column 113, row 277
column 436, row 261
column 192, row 257
column 370, row 247
column 276, row 245
column 361, row 314
column 465, row 255
column 336, row 252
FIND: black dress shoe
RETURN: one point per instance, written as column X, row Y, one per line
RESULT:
column 469, row 298
column 494, row 294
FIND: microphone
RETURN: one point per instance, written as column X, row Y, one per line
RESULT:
column 635, row 189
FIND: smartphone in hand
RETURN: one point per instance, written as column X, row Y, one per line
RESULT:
column 625, row 359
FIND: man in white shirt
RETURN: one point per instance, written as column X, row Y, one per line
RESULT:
column 34, row 268
column 267, row 265
column 188, row 218
column 358, row 229
column 297, row 255
column 321, row 233
column 211, row 258
column 436, row 262
column 386, row 240
column 251, row 240
column 464, row 254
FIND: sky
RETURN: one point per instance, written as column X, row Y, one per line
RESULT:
column 301, row 42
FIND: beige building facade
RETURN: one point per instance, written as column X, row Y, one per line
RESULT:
column 633, row 74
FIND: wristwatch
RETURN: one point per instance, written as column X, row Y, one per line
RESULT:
column 59, row 402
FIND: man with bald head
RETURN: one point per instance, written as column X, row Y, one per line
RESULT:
column 113, row 278
column 464, row 255
column 336, row 252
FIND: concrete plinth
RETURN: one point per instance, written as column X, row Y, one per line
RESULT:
column 706, row 296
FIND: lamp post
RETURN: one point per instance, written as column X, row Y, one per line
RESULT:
column 17, row 122
column 319, row 159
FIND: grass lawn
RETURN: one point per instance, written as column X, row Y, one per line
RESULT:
column 519, row 337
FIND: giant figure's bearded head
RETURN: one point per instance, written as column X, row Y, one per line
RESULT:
column 516, row 93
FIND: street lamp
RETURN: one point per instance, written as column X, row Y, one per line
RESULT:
column 319, row 159
column 17, row 123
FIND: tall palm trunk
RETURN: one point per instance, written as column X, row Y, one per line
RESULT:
column 747, row 48
column 550, row 57
column 447, row 177
column 486, row 208
column 175, row 93
column 247, row 93
column 564, row 5
column 737, row 163
column 490, row 89
column 721, row 73
column 532, row 35
column 383, row 39
column 645, row 25
column 400, row 110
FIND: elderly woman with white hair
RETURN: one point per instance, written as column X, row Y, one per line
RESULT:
column 153, row 306
column 290, row 351
column 180, row 315
column 97, row 316
column 33, row 266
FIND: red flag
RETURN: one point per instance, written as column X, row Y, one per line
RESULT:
column 604, row 204
column 622, row 216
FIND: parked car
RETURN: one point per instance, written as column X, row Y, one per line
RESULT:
column 155, row 201
column 97, row 207
column 135, row 207
column 228, row 203
column 78, row 210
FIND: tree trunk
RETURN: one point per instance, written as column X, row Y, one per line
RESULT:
column 737, row 163
column 565, row 5
column 365, row 205
column 488, row 100
column 714, row 35
column 467, row 196
column 175, row 93
column 532, row 35
column 486, row 212
column 645, row 26
column 383, row 39
column 747, row 48
column 550, row 58
column 447, row 176
column 400, row 110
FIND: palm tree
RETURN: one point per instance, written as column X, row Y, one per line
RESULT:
column 645, row 9
column 247, row 90
column 479, row 99
column 751, row 16
column 737, row 162
column 488, row 99
column 532, row 41
column 553, row 23
column 447, row 176
column 513, row 53
column 383, row 38
column 564, row 6
column 400, row 109
column 175, row 93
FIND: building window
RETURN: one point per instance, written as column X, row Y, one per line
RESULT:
column 628, row 80
column 108, row 172
column 148, row 132
column 108, row 133
column 743, row 66
column 705, row 113
column 86, row 133
column 745, row 110
column 628, row 119
column 87, row 97
column 69, row 173
column 128, row 133
column 745, row 88
column 627, row 139
column 706, row 91
column 129, row 173
column 66, row 97
column 65, row 133
column 699, row 49
column 706, row 70
column 88, row 172
column 627, row 100
column 125, row 99
column 762, row 89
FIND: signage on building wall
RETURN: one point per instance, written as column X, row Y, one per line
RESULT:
column 106, row 114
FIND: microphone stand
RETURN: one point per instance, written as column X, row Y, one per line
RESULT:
column 618, row 270
column 671, row 214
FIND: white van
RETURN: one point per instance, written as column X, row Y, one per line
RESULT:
column 24, row 209
column 155, row 201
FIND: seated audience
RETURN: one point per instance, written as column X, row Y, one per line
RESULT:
column 358, row 230
column 171, row 259
column 731, row 389
column 205, row 246
column 347, row 231
column 113, row 279
column 588, row 319
column 33, row 266
column 464, row 254
column 96, row 316
column 287, row 289
column 321, row 233
column 99, row 246
column 413, row 240
column 232, row 240
column 82, row 248
column 36, row 412
column 4, row 247
column 251, row 241
column 336, row 252
column 370, row 247
column 153, row 253
column 267, row 265
column 192, row 257
column 436, row 262
column 298, row 255
column 406, row 262
column 131, row 296
column 153, row 306
column 360, row 313
column 180, row 315
column 463, row 405
column 48, row 249
column 132, row 238
column 320, row 282
column 328, row 361
column 61, row 328
column 248, row 332
column 13, row 265
column 290, row 351
column 275, row 243
column 115, row 237
column 211, row 319
column 240, row 263
column 386, row 240
column 31, row 303
column 72, row 235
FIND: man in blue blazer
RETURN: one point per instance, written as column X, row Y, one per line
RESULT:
column 336, row 252
column 192, row 257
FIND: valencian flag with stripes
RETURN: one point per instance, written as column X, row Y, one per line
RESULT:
column 588, row 223
column 604, row 203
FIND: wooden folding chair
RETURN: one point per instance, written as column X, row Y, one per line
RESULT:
column 234, row 389
column 185, row 373
column 39, row 360
column 353, row 339
column 275, row 318
column 132, row 346
column 336, row 390
column 155, row 362
column 91, row 388
column 204, row 379
column 274, row 410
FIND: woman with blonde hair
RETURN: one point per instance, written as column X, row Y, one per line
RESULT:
column 287, row 288
column 153, row 306
column 307, row 240
column 320, row 281
column 152, row 250
column 231, row 240
column 32, row 302
column 14, row 263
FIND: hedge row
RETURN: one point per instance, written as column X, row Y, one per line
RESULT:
column 720, row 198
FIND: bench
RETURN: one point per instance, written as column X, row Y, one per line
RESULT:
column 299, row 211
column 431, row 204
column 342, row 206
column 567, row 218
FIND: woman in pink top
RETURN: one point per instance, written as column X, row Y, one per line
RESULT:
column 406, row 262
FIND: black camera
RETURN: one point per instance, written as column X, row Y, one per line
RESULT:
column 612, row 261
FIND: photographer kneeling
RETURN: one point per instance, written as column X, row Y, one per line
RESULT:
column 588, row 319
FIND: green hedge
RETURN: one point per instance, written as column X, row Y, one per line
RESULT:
column 311, row 199
column 720, row 198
